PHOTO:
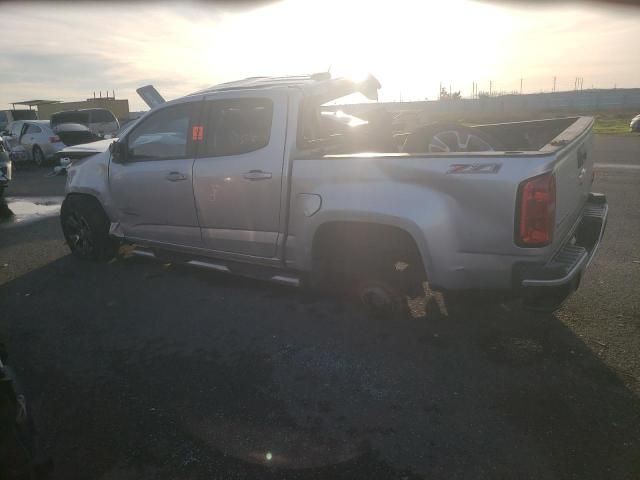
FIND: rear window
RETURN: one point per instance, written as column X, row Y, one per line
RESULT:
column 237, row 126
column 102, row 116
column 70, row 117
column 33, row 129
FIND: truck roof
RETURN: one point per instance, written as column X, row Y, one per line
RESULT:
column 265, row 82
column 315, row 84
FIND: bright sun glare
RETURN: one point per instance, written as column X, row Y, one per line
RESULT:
column 413, row 47
column 419, row 43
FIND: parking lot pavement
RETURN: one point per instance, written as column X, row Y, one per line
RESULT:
column 146, row 370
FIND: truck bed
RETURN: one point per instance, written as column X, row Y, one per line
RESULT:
column 464, row 205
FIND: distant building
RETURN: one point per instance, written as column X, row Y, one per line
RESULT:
column 120, row 108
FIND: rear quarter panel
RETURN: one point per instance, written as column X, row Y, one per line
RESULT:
column 462, row 223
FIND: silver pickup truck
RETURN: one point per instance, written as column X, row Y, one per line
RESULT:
column 266, row 177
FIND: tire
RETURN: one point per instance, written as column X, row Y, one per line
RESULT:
column 444, row 138
column 38, row 156
column 86, row 228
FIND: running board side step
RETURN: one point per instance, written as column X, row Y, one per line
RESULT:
column 212, row 266
column 235, row 268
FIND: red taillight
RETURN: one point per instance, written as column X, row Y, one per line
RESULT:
column 54, row 139
column 536, row 211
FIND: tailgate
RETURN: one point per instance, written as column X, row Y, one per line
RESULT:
column 574, row 174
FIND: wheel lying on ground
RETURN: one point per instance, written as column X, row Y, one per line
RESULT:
column 38, row 156
column 86, row 228
column 444, row 138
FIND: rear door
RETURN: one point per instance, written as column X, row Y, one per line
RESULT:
column 238, row 173
column 152, row 189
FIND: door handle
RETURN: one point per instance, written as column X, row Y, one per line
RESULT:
column 256, row 175
column 175, row 177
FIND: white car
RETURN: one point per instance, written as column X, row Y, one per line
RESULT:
column 36, row 138
column 37, row 141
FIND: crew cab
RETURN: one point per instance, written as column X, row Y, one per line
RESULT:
column 267, row 177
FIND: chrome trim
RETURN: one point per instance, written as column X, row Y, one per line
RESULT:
column 291, row 281
column 142, row 253
column 211, row 266
column 605, row 217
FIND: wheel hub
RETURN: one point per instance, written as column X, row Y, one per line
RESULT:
column 455, row 141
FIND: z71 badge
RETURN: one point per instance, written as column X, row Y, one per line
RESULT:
column 474, row 168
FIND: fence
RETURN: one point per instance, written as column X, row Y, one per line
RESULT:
column 518, row 106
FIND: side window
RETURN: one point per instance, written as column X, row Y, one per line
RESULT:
column 33, row 129
column 163, row 135
column 237, row 126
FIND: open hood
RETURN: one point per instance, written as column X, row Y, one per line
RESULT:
column 93, row 147
column 151, row 96
column 74, row 134
column 332, row 88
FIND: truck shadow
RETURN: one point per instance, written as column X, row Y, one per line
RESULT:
column 144, row 370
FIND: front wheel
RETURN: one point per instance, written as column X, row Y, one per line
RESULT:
column 86, row 228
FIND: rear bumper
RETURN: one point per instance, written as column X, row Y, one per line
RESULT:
column 546, row 286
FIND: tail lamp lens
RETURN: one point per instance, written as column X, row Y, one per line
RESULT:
column 536, row 211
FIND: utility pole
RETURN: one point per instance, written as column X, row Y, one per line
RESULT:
column 490, row 87
column 440, row 91
column 520, row 85
column 554, row 84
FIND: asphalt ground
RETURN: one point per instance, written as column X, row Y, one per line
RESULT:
column 137, row 369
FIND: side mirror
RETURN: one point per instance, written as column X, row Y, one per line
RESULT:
column 118, row 152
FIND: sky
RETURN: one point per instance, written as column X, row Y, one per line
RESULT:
column 66, row 51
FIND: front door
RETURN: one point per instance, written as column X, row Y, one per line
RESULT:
column 238, row 173
column 152, row 187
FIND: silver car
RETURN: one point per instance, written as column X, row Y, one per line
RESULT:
column 36, row 137
column 251, row 177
